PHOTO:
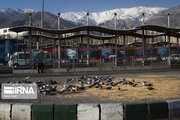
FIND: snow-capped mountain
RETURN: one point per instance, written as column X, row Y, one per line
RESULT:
column 126, row 14
column 18, row 17
column 20, row 11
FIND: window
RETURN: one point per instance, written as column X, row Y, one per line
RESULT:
column 5, row 31
column 24, row 56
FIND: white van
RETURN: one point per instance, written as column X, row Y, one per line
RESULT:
column 19, row 59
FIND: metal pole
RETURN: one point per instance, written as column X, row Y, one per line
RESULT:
column 144, row 46
column 165, row 40
column 115, row 20
column 116, row 52
column 42, row 23
column 42, row 14
column 17, row 43
column 168, row 19
column 81, row 47
column 59, row 27
column 30, row 46
column 169, row 42
column 135, row 48
column 177, row 41
column 115, row 24
column 59, row 47
column 30, row 19
column 87, row 16
column 87, row 47
column 142, row 18
column 124, row 45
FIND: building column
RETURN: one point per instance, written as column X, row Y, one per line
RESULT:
column 59, row 52
column 30, row 46
column 115, row 62
column 144, row 46
column 124, row 46
column 177, row 41
column 81, row 47
column 88, row 48
column 169, row 48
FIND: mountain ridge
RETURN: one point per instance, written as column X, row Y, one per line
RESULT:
column 18, row 17
column 122, row 13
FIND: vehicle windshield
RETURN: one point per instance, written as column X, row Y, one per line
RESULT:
column 24, row 56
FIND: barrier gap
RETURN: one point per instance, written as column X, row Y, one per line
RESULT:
column 10, row 112
column 31, row 111
column 99, row 105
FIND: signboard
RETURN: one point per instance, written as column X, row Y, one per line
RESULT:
column 162, row 51
column 106, row 52
column 71, row 53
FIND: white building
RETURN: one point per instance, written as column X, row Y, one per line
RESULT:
column 5, row 33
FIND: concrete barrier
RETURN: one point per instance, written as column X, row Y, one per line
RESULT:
column 88, row 112
column 174, row 108
column 106, row 111
column 65, row 112
column 5, row 110
column 158, row 110
column 42, row 112
column 135, row 111
column 21, row 112
column 112, row 111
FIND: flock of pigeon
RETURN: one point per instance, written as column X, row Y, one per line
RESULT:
column 85, row 82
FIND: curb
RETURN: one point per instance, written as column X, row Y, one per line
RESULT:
column 94, row 111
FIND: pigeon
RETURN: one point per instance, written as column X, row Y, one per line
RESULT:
column 106, row 83
column 108, row 88
column 149, row 84
column 118, row 88
column 150, row 88
column 130, row 83
column 62, row 90
column 53, row 82
column 70, row 80
column 54, row 88
column 134, row 85
column 100, row 86
column 97, row 86
column 144, row 83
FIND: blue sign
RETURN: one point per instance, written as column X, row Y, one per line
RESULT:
column 106, row 52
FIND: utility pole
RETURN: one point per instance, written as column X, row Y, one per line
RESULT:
column 59, row 46
column 115, row 24
column 168, row 19
column 42, row 14
column 115, row 20
column 30, row 19
column 169, row 41
column 87, row 16
column 143, row 40
column 42, row 24
column 142, row 18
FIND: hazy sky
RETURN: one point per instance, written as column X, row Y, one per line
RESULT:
column 63, row 6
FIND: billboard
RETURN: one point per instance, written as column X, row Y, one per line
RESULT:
column 71, row 53
column 162, row 51
column 106, row 52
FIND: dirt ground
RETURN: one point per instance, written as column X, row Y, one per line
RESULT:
column 165, row 87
